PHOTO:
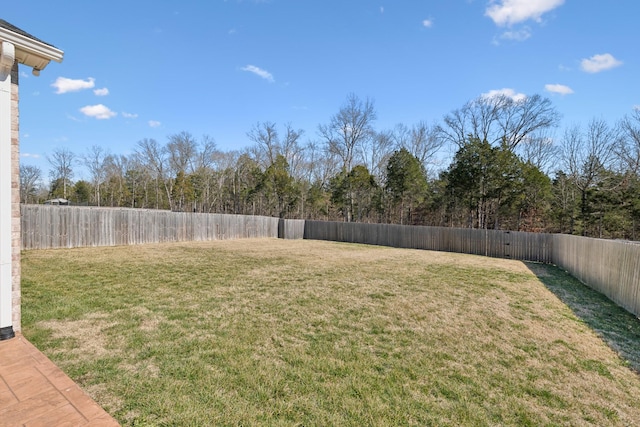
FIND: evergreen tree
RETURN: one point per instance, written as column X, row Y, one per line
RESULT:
column 406, row 183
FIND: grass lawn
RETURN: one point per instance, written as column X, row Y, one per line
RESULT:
column 277, row 332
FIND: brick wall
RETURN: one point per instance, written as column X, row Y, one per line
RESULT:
column 15, row 200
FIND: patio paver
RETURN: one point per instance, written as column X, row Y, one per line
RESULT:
column 35, row 392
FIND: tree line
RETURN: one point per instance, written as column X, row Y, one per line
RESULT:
column 507, row 171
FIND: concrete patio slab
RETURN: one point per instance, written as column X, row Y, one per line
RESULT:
column 35, row 392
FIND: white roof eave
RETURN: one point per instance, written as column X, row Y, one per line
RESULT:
column 30, row 52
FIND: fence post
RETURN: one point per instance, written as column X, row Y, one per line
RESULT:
column 507, row 245
column 281, row 228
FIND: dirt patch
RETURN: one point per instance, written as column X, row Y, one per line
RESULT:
column 86, row 337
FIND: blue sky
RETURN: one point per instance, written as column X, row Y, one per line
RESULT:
column 148, row 69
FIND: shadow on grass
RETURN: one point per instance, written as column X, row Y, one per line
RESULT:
column 616, row 326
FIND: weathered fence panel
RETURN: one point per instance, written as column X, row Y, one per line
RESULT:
column 493, row 243
column 45, row 226
column 608, row 266
column 291, row 228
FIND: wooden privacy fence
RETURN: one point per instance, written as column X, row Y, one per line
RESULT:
column 610, row 267
column 494, row 243
column 291, row 228
column 45, row 227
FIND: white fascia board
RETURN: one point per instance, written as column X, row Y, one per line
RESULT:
column 30, row 52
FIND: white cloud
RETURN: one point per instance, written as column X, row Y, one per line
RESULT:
column 518, row 35
column 64, row 85
column 636, row 107
column 154, row 123
column 98, row 111
column 509, row 12
column 259, row 72
column 30, row 155
column 598, row 63
column 129, row 115
column 101, row 92
column 427, row 23
column 509, row 93
column 558, row 88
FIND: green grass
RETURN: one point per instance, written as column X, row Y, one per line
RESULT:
column 275, row 332
column 616, row 326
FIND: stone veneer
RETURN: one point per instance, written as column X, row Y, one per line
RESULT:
column 15, row 202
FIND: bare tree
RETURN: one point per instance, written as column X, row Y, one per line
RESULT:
column 349, row 129
column 539, row 150
column 115, row 190
column 628, row 148
column 30, row 177
column 319, row 165
column 375, row 152
column 519, row 119
column 203, row 175
column 94, row 160
column 136, row 178
column 62, row 161
column 586, row 156
column 498, row 119
column 224, row 164
column 421, row 140
column 206, row 153
column 153, row 157
column 182, row 151
column 267, row 144
column 476, row 119
column 292, row 150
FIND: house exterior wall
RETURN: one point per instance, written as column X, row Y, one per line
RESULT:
column 15, row 201
column 18, row 47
